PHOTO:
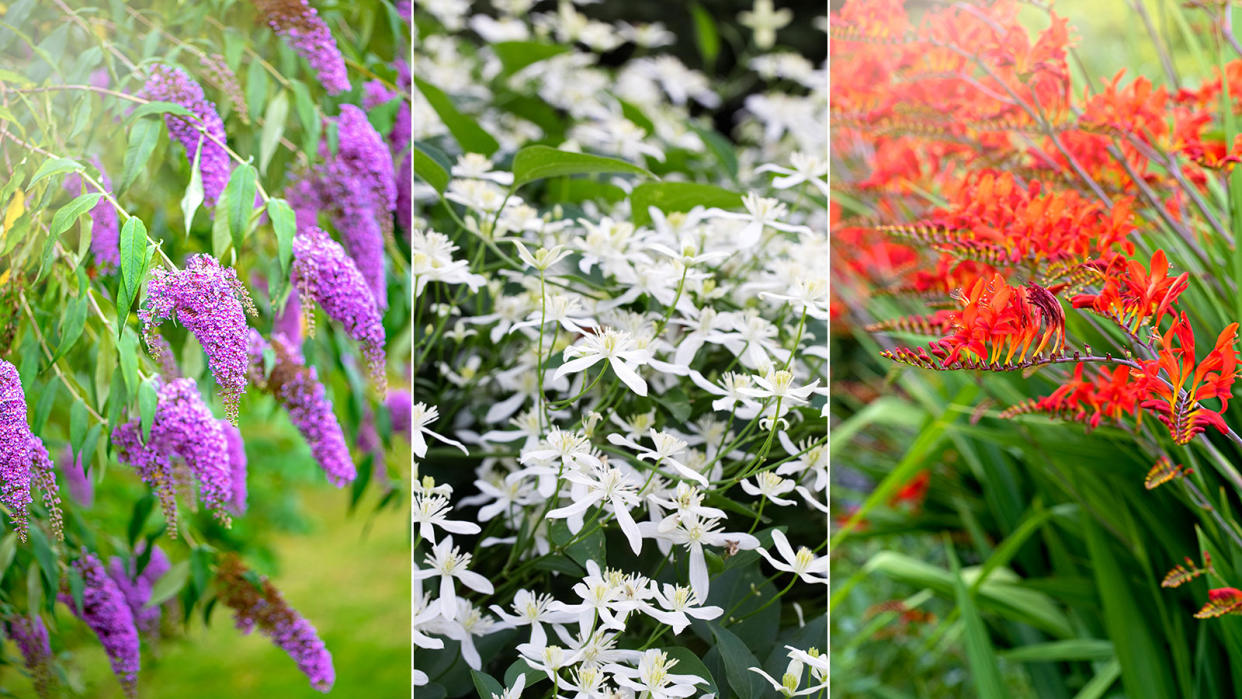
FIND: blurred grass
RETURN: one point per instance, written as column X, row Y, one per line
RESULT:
column 349, row 576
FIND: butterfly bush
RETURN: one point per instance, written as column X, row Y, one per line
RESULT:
column 636, row 386
column 210, row 301
column 357, row 185
column 258, row 604
column 182, row 428
column 297, row 387
column 300, row 26
column 203, row 134
column 324, row 274
column 105, row 230
column 123, row 310
column 24, row 461
column 105, row 610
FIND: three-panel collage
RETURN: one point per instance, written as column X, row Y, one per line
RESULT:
column 620, row 349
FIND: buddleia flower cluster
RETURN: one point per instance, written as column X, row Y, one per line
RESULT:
column 237, row 466
column 106, row 612
column 296, row 386
column 210, row 301
column 24, row 461
column 136, row 587
column 324, row 273
column 205, row 131
column 105, row 231
column 32, row 640
column 183, row 428
column 256, row 602
column 299, row 24
column 356, row 185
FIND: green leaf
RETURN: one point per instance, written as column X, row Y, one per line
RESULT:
column 71, row 327
column 468, row 134
column 516, row 55
column 76, row 587
column 979, row 651
column 67, row 214
column 737, row 658
column 671, row 197
column 221, row 239
column 200, row 573
column 429, row 170
column 240, row 191
column 127, row 352
column 8, row 549
column 485, row 684
column 151, row 108
column 77, row 426
column 1056, row 651
column 308, row 115
column 273, row 128
column 168, row 585
column 540, row 162
column 705, row 36
column 689, row 663
column 47, row 397
column 256, row 87
column 47, row 559
column 520, row 667
column 1101, row 682
column 133, row 245
column 143, row 136
column 286, row 226
column 55, row 166
column 1144, row 668
column 138, row 516
column 148, row 398
column 194, row 193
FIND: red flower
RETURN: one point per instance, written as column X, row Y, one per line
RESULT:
column 1221, row 601
column 1179, row 402
column 1132, row 296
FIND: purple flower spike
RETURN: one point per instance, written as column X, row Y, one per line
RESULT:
column 358, row 187
column 136, row 589
column 23, row 459
column 32, row 640
column 237, row 466
column 299, row 24
column 211, row 302
column 297, row 388
column 168, row 84
column 105, row 231
column 323, row 272
column 183, row 428
column 105, row 610
column 266, row 609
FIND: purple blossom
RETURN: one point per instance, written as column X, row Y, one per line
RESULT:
column 211, row 302
column 400, row 404
column 357, row 185
column 32, row 640
column 262, row 606
column 105, row 610
column 23, row 459
column 297, row 388
column 289, row 322
column 168, row 84
column 223, row 79
column 80, row 487
column 323, row 272
column 237, row 466
column 299, row 24
column 136, row 589
column 183, row 428
column 105, row 231
column 163, row 354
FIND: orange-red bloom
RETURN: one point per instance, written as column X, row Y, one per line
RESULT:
column 1178, row 403
column 1132, row 296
